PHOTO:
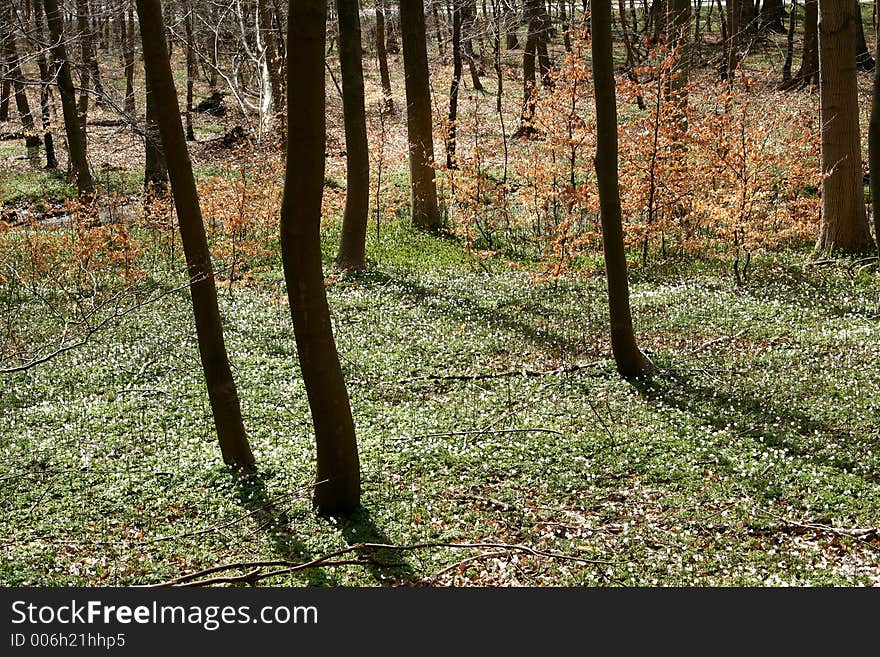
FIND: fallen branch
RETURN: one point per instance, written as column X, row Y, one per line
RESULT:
column 723, row 338
column 255, row 572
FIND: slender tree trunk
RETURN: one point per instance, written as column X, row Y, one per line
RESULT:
column 338, row 469
column 468, row 11
column 631, row 362
column 13, row 70
column 45, row 81
column 526, row 127
column 191, row 69
column 874, row 148
column 844, row 225
column 453, row 87
column 126, row 22
column 5, row 89
column 352, row 242
column 222, row 392
column 86, row 52
column 789, row 45
column 76, row 143
column 808, row 73
column 423, row 186
column 864, row 61
column 382, row 56
column 274, row 63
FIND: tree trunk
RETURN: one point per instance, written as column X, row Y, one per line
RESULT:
column 772, row 13
column 76, row 143
column 874, row 148
column 844, row 225
column 155, row 168
column 352, row 242
column 191, row 70
column 13, row 70
column 222, row 393
column 808, row 73
column 789, row 45
column 86, row 53
column 45, row 81
column 419, row 124
column 338, row 468
column 631, row 362
column 127, row 28
column 453, row 87
column 382, row 56
column 526, row 127
column 274, row 63
column 468, row 11
column 864, row 61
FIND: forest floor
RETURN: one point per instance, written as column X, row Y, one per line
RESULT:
column 488, row 414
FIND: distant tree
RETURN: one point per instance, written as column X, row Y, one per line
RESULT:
column 222, row 392
column 808, row 73
column 863, row 56
column 76, row 142
column 844, row 224
column 352, row 241
column 13, row 71
column 338, row 469
column 454, row 85
column 45, row 82
column 419, row 124
column 631, row 362
column 382, row 56
column 772, row 13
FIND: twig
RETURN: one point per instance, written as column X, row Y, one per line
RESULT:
column 723, row 338
column 478, row 432
column 331, row 559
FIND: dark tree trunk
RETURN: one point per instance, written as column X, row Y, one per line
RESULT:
column 772, row 13
column 789, row 45
column 874, row 148
column 76, row 143
column 468, row 11
column 844, row 225
column 338, row 469
column 808, row 73
column 352, row 242
column 631, row 362
column 13, row 71
column 453, row 87
column 191, row 69
column 45, row 93
column 382, row 56
column 419, row 123
column 864, row 61
column 526, row 127
column 155, row 168
column 86, row 54
column 127, row 27
column 222, row 392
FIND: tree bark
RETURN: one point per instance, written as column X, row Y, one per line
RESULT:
column 13, row 70
column 453, row 86
column 222, row 392
column 630, row 361
column 772, row 13
column 864, row 61
column 126, row 23
column 352, row 244
column 45, row 81
column 382, row 56
column 76, row 143
column 808, row 73
column 338, row 468
column 155, row 167
column 419, row 123
column 844, row 224
column 874, row 148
